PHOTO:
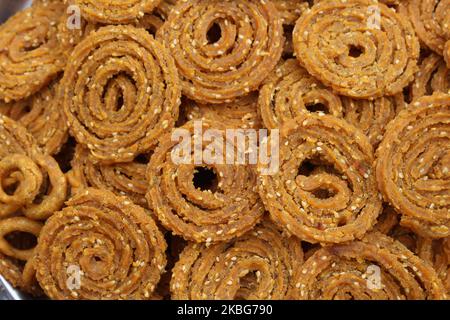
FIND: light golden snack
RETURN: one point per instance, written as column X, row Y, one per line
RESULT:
column 412, row 166
column 325, row 190
column 344, row 45
column 433, row 76
column 126, row 179
column 116, row 247
column 223, row 49
column 30, row 55
column 121, row 93
column 241, row 113
column 431, row 20
column 115, row 12
column 290, row 91
column 204, row 202
column 42, row 115
column 256, row 266
column 375, row 268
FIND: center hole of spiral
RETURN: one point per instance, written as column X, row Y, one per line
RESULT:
column 355, row 51
column 21, row 240
column 324, row 193
column 317, row 107
column 205, row 179
column 214, row 33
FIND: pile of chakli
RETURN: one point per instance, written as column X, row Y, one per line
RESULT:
column 354, row 95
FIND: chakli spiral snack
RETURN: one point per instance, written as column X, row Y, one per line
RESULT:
column 223, row 49
column 204, row 202
column 115, row 12
column 433, row 75
column 431, row 20
column 325, row 190
column 256, row 266
column 30, row 55
column 413, row 166
column 342, row 44
column 241, row 113
column 372, row 116
column 31, row 182
column 116, row 246
column 121, row 92
column 41, row 114
column 290, row 91
column 127, row 179
column 376, row 268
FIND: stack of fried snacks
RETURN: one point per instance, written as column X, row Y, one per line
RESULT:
column 226, row 149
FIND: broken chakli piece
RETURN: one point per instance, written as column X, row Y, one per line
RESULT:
column 32, row 188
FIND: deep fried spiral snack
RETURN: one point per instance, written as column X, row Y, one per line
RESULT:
column 223, row 49
column 121, row 92
column 372, row 116
column 30, row 181
column 116, row 246
column 431, row 20
column 413, row 166
column 377, row 267
column 202, row 201
column 258, row 265
column 42, row 115
column 339, row 44
column 433, row 75
column 325, row 190
column 241, row 113
column 115, row 12
column 127, row 179
column 290, row 91
column 30, row 55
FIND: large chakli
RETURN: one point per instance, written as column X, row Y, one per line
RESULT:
column 223, row 49
column 325, row 189
column 30, row 55
column 413, row 165
column 376, row 267
column 256, row 266
column 115, row 245
column 115, row 12
column 345, row 45
column 43, row 117
column 121, row 92
column 208, row 199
